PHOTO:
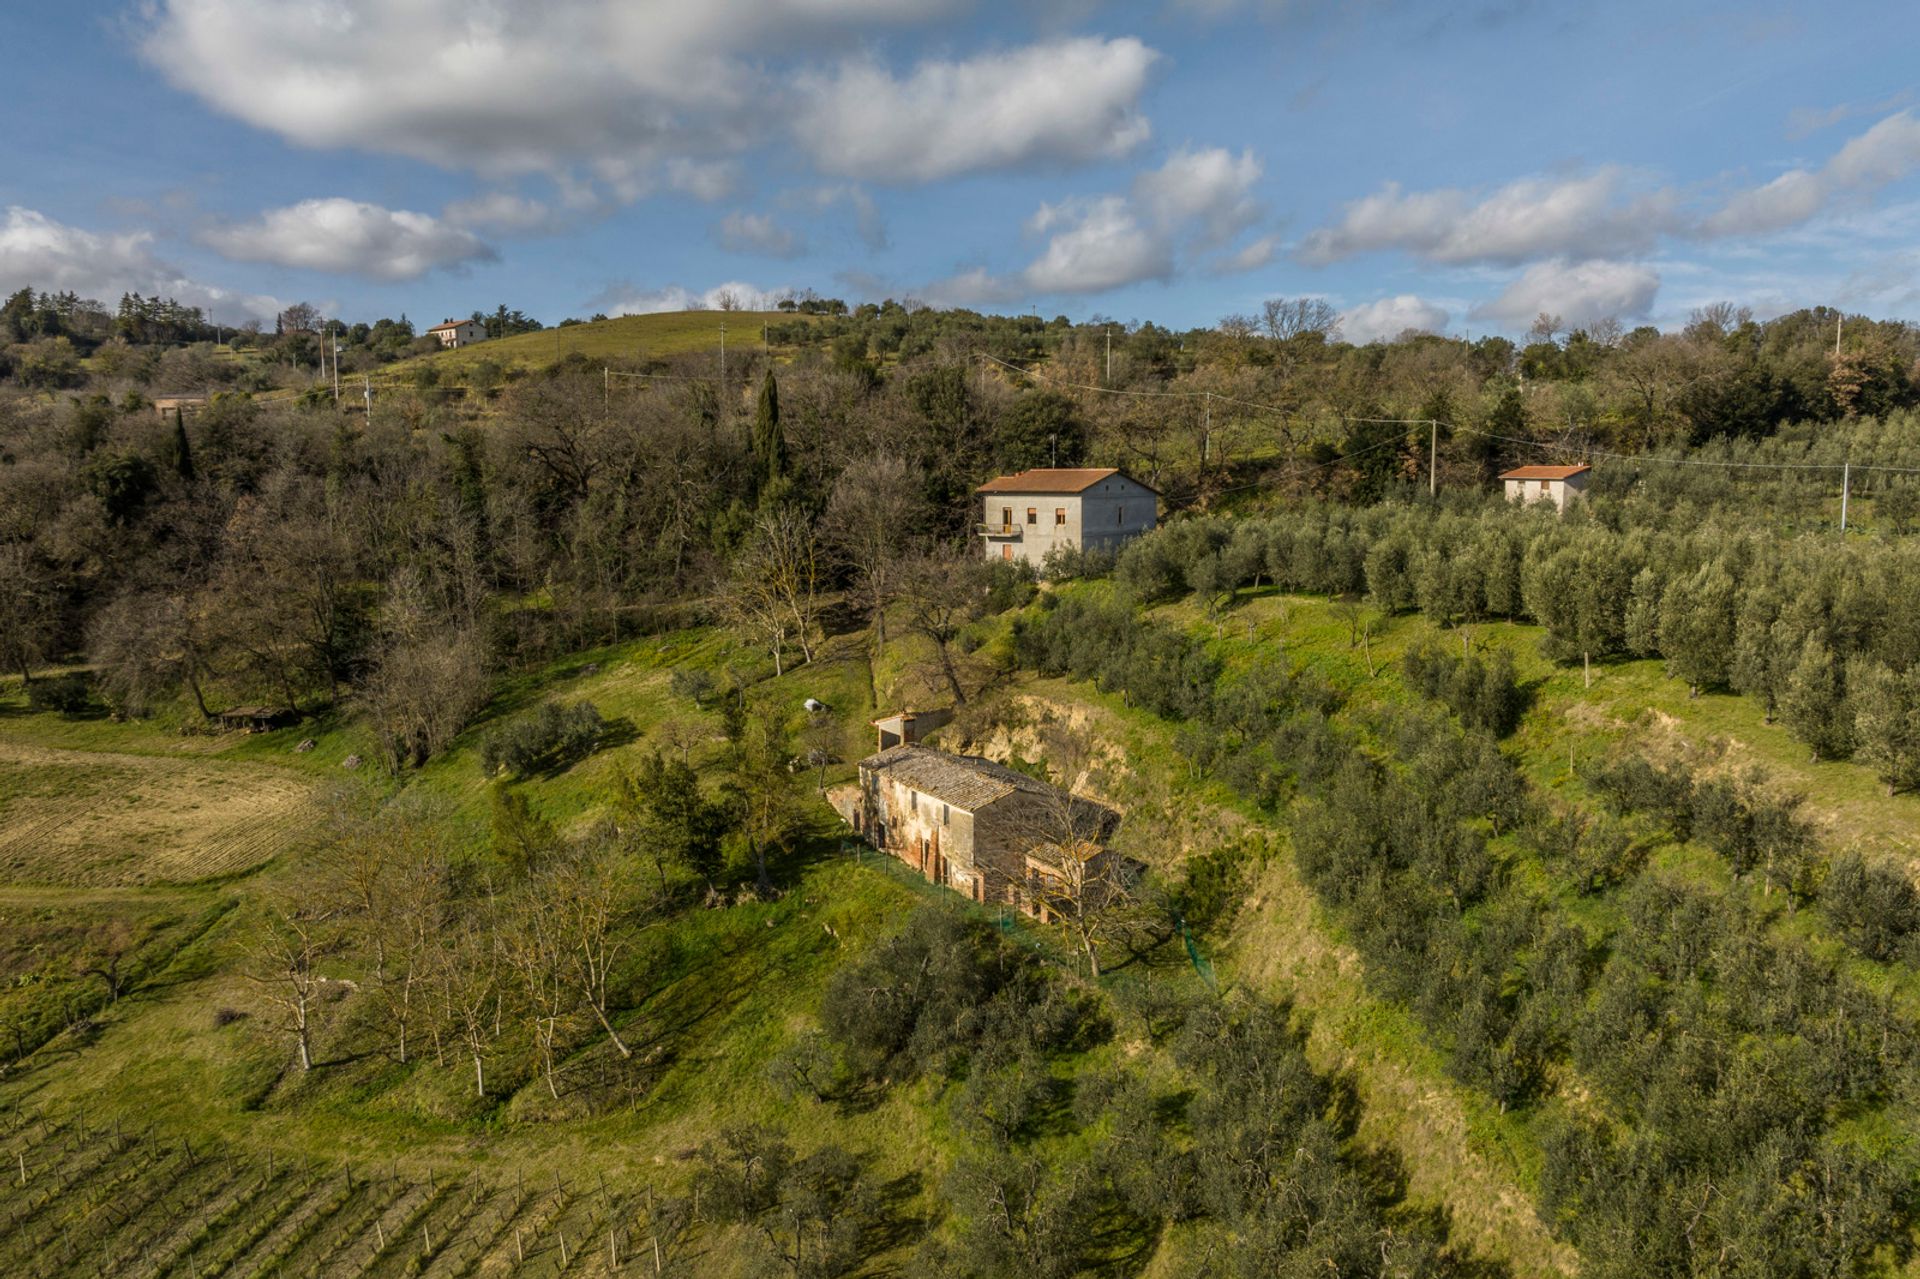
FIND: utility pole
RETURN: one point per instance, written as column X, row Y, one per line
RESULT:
column 1836, row 335
column 1846, row 489
column 1433, row 458
column 334, row 341
column 1206, row 438
column 1109, row 355
column 723, row 361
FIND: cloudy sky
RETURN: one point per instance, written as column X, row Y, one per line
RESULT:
column 1420, row 164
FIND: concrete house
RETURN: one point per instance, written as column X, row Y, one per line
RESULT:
column 1556, row 484
column 975, row 826
column 457, row 333
column 1025, row 516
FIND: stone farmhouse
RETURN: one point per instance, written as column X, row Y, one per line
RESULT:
column 1025, row 516
column 1556, row 484
column 458, row 333
column 980, row 828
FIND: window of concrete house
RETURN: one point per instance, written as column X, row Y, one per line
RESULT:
column 1006, row 516
column 945, row 813
column 1119, row 515
column 1059, row 515
column 1033, row 515
column 1543, row 486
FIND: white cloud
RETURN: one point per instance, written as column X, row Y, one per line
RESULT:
column 626, row 299
column 1213, row 188
column 1254, row 255
column 1887, row 152
column 1099, row 247
column 1595, row 215
column 708, row 180
column 502, row 211
column 1067, row 101
column 1195, row 202
column 1578, row 292
column 38, row 252
column 349, row 237
column 757, row 233
column 641, row 96
column 1387, row 318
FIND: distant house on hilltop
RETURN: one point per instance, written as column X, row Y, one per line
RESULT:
column 186, row 405
column 1556, row 484
column 977, row 827
column 1025, row 516
column 458, row 333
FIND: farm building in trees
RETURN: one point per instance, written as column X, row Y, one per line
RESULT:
column 1026, row 516
column 980, row 828
column 458, row 333
column 1556, row 484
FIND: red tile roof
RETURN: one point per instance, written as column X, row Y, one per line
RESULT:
column 1545, row 472
column 1059, row 480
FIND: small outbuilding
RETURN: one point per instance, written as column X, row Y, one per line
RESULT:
column 1556, row 484
column 906, row 728
column 253, row 719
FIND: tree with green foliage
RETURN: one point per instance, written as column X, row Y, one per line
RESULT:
column 668, row 817
column 769, row 441
column 1886, row 721
column 1696, row 627
column 1813, row 702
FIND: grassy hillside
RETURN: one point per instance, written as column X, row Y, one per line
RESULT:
column 165, row 1131
column 626, row 339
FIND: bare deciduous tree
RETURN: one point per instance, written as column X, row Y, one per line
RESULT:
column 283, row 956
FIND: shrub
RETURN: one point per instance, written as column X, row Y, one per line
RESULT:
column 69, row 694
column 553, row 737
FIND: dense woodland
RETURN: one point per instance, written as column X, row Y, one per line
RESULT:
column 1712, row 1091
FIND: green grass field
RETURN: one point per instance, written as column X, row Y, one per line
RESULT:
column 626, row 339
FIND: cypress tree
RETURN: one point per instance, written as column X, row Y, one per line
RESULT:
column 182, row 452
column 769, row 443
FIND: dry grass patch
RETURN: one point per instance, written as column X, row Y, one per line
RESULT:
column 97, row 819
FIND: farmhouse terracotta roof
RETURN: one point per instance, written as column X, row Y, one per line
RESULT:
column 450, row 324
column 1545, row 472
column 965, row 781
column 1055, row 480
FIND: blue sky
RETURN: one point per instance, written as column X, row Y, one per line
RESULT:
column 1450, row 167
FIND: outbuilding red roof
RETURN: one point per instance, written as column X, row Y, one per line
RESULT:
column 1545, row 472
column 1055, row 480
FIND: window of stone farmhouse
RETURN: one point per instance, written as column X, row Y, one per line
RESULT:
column 1059, row 515
column 1033, row 515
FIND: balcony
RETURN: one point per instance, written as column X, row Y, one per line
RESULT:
column 1008, row 532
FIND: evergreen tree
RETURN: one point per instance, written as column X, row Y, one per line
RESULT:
column 769, row 443
column 1886, row 721
column 182, row 451
column 1643, row 614
column 1813, row 702
column 1696, row 627
column 1762, row 650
